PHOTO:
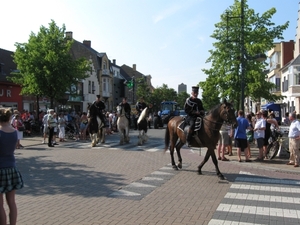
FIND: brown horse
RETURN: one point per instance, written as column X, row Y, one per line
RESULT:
column 207, row 136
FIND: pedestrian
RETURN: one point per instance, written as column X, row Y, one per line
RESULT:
column 286, row 120
column 259, row 134
column 270, row 123
column 223, row 142
column 249, row 133
column 61, row 127
column 83, row 125
column 45, row 126
column 294, row 140
column 55, row 131
column 10, row 177
column 20, row 128
column 240, row 137
column 51, row 124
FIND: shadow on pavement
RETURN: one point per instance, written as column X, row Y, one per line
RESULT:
column 46, row 177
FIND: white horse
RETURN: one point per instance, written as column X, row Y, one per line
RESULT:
column 123, row 125
column 142, row 124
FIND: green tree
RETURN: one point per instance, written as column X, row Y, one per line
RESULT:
column 224, row 74
column 181, row 98
column 45, row 65
column 163, row 93
column 142, row 89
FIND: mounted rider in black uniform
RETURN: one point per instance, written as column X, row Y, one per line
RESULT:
column 194, row 108
column 100, row 105
column 127, row 108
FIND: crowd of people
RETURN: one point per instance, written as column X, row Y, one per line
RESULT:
column 258, row 130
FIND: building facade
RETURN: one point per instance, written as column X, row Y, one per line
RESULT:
column 182, row 88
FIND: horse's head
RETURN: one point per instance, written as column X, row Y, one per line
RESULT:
column 119, row 110
column 227, row 113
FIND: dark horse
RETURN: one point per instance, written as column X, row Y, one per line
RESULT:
column 95, row 125
column 207, row 136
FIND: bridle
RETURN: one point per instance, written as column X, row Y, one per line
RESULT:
column 226, row 114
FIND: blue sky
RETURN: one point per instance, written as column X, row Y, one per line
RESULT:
column 168, row 39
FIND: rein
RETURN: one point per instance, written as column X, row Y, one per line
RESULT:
column 214, row 122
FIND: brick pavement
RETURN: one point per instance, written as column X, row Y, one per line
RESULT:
column 84, row 186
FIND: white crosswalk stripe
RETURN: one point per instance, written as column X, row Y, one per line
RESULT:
column 255, row 200
column 153, row 147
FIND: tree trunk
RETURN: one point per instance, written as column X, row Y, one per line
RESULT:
column 37, row 106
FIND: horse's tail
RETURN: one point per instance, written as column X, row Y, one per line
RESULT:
column 167, row 138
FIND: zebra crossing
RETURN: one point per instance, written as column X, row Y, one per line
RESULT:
column 154, row 146
column 254, row 199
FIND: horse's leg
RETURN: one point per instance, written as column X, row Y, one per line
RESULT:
column 102, row 135
column 173, row 140
column 94, row 139
column 206, row 157
column 178, row 147
column 215, row 161
column 127, row 134
column 121, row 136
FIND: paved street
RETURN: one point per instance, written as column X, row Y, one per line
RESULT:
column 111, row 184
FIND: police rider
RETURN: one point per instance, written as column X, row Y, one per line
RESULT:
column 126, row 108
column 140, row 106
column 194, row 108
column 100, row 106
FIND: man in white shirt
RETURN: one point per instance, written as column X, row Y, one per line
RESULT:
column 45, row 126
column 259, row 134
column 294, row 140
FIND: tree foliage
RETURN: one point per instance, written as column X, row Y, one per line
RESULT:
column 163, row 93
column 224, row 75
column 45, row 65
column 181, row 98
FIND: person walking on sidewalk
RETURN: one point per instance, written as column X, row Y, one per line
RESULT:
column 240, row 138
column 294, row 140
column 10, row 177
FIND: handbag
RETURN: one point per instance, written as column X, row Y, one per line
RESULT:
column 21, row 128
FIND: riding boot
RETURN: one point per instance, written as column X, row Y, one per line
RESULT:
column 189, row 138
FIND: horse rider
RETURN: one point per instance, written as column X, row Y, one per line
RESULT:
column 127, row 108
column 100, row 106
column 194, row 108
column 139, row 106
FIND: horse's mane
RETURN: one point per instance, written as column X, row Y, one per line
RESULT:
column 215, row 109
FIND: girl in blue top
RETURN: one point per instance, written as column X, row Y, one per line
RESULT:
column 10, row 177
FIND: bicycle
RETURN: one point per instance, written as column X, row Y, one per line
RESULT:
column 277, row 143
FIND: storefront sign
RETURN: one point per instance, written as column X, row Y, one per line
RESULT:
column 5, row 93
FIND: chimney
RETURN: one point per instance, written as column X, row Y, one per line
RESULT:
column 114, row 61
column 134, row 67
column 69, row 35
column 87, row 43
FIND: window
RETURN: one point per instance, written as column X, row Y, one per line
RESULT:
column 296, row 72
column 104, row 84
column 93, row 87
column 89, row 87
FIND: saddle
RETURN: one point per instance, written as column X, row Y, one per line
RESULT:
column 185, row 127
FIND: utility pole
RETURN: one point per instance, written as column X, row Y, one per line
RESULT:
column 243, row 61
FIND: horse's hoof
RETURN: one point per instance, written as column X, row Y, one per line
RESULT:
column 221, row 177
column 175, row 167
column 179, row 165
